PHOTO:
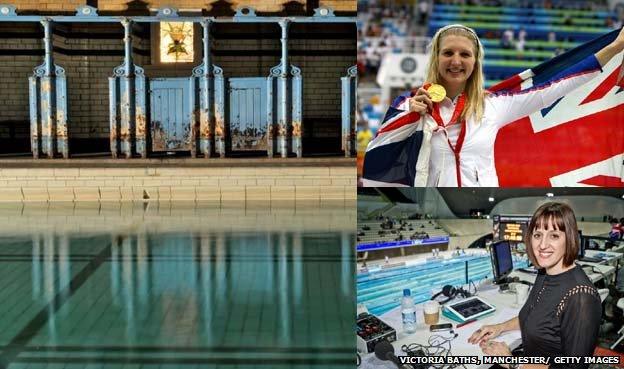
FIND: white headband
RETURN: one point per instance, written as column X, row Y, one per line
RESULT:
column 468, row 29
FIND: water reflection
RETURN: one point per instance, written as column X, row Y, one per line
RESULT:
column 212, row 298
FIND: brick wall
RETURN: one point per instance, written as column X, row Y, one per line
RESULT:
column 321, row 74
column 14, row 73
column 259, row 5
column 87, row 74
column 87, row 71
column 47, row 5
column 246, row 65
column 313, row 183
column 120, row 5
column 340, row 5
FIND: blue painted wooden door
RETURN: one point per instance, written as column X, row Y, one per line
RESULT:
column 248, row 113
column 170, row 116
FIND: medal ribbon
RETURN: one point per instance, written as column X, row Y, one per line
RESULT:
column 435, row 114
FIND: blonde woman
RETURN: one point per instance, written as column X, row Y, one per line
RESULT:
column 453, row 139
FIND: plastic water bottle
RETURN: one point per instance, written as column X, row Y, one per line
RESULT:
column 408, row 312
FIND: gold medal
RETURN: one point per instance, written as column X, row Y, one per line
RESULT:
column 437, row 92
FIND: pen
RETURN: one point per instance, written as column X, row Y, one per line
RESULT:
column 465, row 323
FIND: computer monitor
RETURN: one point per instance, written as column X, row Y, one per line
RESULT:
column 583, row 244
column 581, row 252
column 502, row 263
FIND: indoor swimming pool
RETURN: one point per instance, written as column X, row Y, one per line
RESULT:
column 241, row 293
column 381, row 289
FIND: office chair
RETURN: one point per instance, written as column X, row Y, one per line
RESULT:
column 620, row 304
column 604, row 292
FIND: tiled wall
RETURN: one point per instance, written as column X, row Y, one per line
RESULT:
column 168, row 217
column 153, row 183
column 119, row 5
column 87, row 72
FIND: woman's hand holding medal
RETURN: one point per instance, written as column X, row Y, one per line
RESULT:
column 423, row 101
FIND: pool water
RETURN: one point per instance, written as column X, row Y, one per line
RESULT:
column 211, row 299
column 381, row 290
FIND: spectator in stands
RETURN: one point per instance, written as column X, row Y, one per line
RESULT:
column 373, row 60
column 467, row 113
column 520, row 47
column 552, row 36
column 609, row 22
column 490, row 35
column 616, row 229
column 387, row 224
column 364, row 135
column 507, row 39
column 374, row 30
column 521, row 40
column 384, row 47
column 361, row 62
column 423, row 12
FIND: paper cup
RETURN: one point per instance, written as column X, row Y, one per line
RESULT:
column 431, row 311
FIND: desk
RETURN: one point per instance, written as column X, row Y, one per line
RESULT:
column 607, row 270
column 619, row 248
column 505, row 310
column 609, row 257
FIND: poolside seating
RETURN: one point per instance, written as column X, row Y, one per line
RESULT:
column 571, row 27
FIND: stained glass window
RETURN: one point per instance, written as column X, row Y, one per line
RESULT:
column 176, row 42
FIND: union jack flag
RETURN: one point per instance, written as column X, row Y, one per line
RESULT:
column 398, row 149
column 577, row 141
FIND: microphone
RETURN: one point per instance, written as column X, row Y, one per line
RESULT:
column 385, row 351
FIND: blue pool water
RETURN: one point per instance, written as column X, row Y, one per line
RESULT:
column 229, row 296
column 381, row 290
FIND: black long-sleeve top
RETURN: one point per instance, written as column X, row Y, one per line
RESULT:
column 561, row 317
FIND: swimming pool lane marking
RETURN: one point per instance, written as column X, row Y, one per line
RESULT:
column 150, row 349
column 347, row 361
column 17, row 344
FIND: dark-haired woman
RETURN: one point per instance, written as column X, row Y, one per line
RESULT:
column 561, row 316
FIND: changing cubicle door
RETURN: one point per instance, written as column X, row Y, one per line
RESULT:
column 248, row 114
column 170, row 117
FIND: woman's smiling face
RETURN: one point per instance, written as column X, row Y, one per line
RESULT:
column 549, row 246
column 456, row 60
